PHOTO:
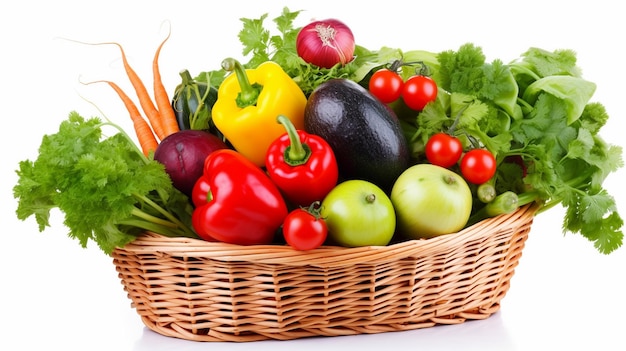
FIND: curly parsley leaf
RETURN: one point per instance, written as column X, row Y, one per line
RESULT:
column 107, row 189
column 466, row 71
column 593, row 118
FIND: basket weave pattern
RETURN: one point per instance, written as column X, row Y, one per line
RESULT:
column 207, row 291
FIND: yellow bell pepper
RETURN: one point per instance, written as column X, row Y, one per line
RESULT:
column 248, row 103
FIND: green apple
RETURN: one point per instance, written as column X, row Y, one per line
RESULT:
column 430, row 200
column 358, row 213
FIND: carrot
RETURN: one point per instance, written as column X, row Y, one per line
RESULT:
column 145, row 135
column 144, row 97
column 161, row 117
column 164, row 105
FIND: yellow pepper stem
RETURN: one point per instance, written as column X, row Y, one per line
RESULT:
column 249, row 92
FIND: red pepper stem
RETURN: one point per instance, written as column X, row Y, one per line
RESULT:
column 297, row 153
column 249, row 92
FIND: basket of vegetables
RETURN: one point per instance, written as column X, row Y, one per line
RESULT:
column 323, row 190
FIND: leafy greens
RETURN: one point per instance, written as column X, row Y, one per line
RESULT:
column 536, row 109
column 107, row 189
column 534, row 114
column 260, row 45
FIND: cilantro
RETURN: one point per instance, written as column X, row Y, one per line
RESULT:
column 538, row 109
column 281, row 48
column 558, row 138
column 261, row 44
column 256, row 40
column 107, row 189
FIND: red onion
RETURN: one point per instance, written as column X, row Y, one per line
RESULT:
column 325, row 43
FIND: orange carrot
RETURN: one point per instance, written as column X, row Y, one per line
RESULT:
column 161, row 117
column 145, row 135
column 144, row 97
column 164, row 105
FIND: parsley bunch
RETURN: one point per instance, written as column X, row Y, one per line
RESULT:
column 107, row 189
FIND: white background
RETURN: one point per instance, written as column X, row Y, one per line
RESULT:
column 56, row 295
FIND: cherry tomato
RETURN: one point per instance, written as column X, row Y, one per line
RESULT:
column 443, row 150
column 304, row 230
column 419, row 90
column 386, row 85
column 478, row 166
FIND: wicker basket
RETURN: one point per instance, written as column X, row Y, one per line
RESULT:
column 206, row 291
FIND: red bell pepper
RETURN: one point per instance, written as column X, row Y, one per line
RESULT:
column 302, row 165
column 235, row 201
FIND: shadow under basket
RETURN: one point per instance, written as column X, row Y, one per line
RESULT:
column 207, row 291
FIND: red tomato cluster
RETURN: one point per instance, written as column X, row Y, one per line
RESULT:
column 443, row 150
column 388, row 86
column 477, row 165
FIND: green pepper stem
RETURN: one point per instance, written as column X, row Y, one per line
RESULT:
column 249, row 93
column 297, row 153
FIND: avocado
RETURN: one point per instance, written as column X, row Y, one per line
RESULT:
column 364, row 133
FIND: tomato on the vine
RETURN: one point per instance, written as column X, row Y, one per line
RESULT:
column 443, row 149
column 386, row 85
column 478, row 166
column 419, row 90
column 304, row 229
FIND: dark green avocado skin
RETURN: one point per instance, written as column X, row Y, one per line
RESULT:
column 364, row 134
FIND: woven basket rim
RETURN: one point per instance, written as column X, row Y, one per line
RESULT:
column 212, row 291
column 326, row 255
